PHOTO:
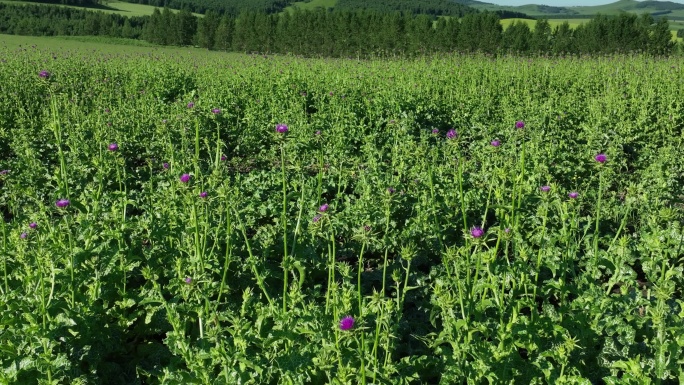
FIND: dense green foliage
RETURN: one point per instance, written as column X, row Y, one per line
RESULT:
column 43, row 20
column 229, row 7
column 428, row 199
column 425, row 7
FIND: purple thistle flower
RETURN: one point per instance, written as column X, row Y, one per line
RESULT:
column 316, row 218
column 191, row 104
column 281, row 128
column 367, row 228
column 3, row 172
column 188, row 280
column 347, row 323
column 44, row 74
column 33, row 225
column 185, row 178
column 113, row 147
column 495, row 143
column 203, row 194
column 323, row 208
column 166, row 165
column 519, row 124
column 62, row 203
column 573, row 195
column 223, row 157
column 507, row 230
column 451, row 134
column 435, row 131
column 601, row 158
column 216, row 111
column 23, row 235
column 318, row 133
column 545, row 188
column 391, row 190
column 476, row 232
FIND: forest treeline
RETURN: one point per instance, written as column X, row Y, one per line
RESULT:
column 350, row 33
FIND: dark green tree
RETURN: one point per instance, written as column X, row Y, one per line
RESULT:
column 540, row 41
column 516, row 38
column 185, row 27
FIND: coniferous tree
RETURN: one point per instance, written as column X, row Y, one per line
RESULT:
column 490, row 32
column 127, row 30
column 661, row 39
column 167, row 31
column 224, row 33
column 540, row 41
column 562, row 40
column 206, row 29
column 516, row 38
column 152, row 29
column 186, row 27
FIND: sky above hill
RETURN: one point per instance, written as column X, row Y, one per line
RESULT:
column 558, row 3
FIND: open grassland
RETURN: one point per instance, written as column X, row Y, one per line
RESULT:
column 179, row 217
column 553, row 22
column 313, row 4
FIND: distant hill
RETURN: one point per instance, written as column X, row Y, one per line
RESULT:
column 673, row 11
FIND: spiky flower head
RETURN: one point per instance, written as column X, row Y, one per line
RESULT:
column 476, row 232
column 191, row 104
column 166, row 165
column 519, row 124
column 601, row 158
column 573, row 195
column 347, row 323
column 316, row 218
column 113, row 147
column 545, row 188
column 23, row 235
column 44, row 74
column 323, row 208
column 188, row 280
column 281, row 128
column 451, row 134
column 495, row 143
column 215, row 111
column 223, row 157
column 33, row 225
column 203, row 194
column 62, row 203
column 185, row 178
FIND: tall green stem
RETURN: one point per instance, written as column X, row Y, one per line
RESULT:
column 284, row 221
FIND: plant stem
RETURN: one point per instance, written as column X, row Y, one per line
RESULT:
column 284, row 222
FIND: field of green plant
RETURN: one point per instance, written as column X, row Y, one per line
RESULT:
column 179, row 218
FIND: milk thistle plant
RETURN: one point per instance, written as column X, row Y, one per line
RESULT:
column 431, row 221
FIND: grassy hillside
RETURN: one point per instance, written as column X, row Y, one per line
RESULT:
column 118, row 7
column 313, row 4
column 666, row 8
